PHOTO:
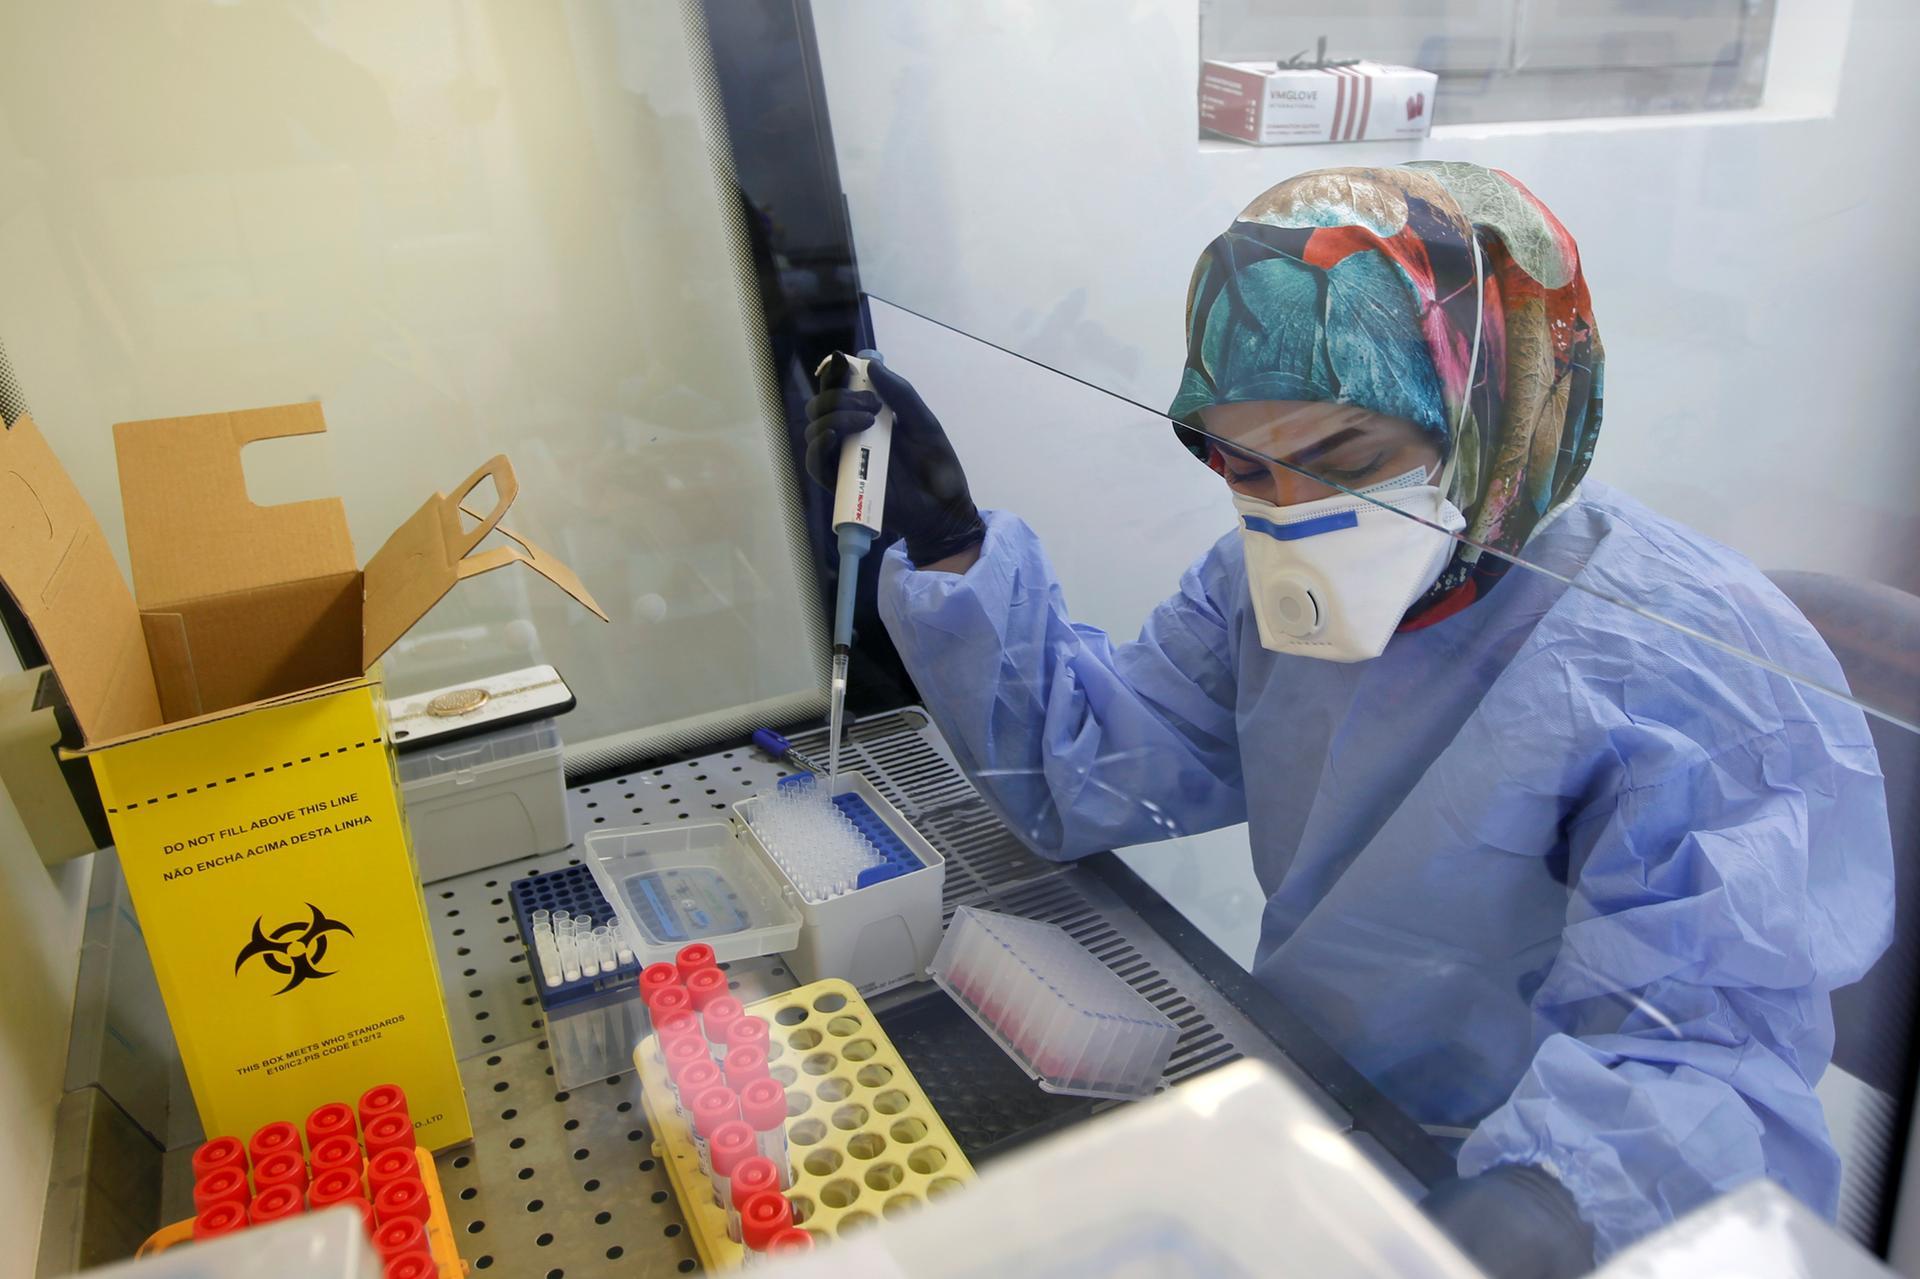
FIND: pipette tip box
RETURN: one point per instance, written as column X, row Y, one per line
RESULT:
column 884, row 932
column 899, row 857
column 1061, row 1014
column 481, row 801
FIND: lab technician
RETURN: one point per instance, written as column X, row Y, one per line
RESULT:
column 1569, row 885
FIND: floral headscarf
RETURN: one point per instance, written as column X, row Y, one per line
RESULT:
column 1356, row 286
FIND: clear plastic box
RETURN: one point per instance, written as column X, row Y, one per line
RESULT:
column 465, row 754
column 681, row 884
column 1059, row 1012
column 481, row 801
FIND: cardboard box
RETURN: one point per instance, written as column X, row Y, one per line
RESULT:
column 229, row 714
column 1274, row 104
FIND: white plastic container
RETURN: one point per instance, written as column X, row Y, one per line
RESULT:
column 1064, row 1016
column 1236, row 1173
column 328, row 1244
column 479, row 801
column 876, row 937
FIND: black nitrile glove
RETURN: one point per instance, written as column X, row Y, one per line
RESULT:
column 927, row 500
column 1516, row 1221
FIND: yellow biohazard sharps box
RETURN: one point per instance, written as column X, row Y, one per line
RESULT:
column 240, row 745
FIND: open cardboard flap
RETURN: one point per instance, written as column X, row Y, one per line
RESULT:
column 192, row 531
column 239, row 602
column 61, row 572
column 430, row 553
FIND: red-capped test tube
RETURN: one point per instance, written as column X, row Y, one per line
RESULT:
column 335, row 1119
column 335, row 1186
column 731, row 1142
column 719, row 1018
column 275, row 1203
column 704, row 985
column 749, row 1031
column 280, row 1168
column 402, row 1197
column 221, row 1152
column 657, row 977
column 391, row 1131
column 681, row 1023
column 220, row 1219
column 693, row 957
column 712, row 1108
column 762, row 1217
column 401, row 1237
column 668, row 999
column 226, row 1185
column 763, row 1104
column 682, row 1056
column 382, row 1099
column 272, row 1139
column 792, row 1239
column 415, row 1266
column 339, row 1151
column 390, row 1166
column 744, row 1065
column 751, row 1176
column 700, row 1075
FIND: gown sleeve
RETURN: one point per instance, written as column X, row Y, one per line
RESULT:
column 1736, row 870
column 1079, row 743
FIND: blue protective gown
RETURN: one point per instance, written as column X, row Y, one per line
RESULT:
column 1546, row 871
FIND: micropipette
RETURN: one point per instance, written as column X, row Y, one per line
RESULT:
column 859, row 495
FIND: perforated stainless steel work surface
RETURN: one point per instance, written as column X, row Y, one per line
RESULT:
column 559, row 1182
column 564, row 1181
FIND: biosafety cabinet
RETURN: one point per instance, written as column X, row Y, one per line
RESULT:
column 391, row 884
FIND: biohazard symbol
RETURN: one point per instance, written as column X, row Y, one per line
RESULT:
column 294, row 950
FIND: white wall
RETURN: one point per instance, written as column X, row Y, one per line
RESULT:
column 1029, row 174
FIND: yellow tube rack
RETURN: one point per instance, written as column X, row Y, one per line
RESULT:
column 865, row 1141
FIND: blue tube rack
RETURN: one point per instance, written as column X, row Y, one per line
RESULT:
column 571, row 888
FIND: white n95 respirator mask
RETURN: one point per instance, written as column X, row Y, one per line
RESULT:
column 1332, row 578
